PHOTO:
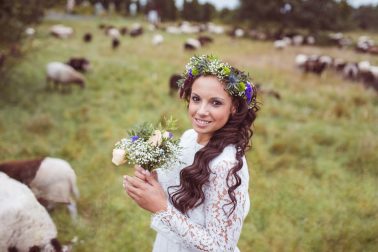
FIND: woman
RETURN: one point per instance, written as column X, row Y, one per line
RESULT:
column 201, row 204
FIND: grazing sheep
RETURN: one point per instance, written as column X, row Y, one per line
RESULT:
column 136, row 30
column 30, row 31
column 313, row 63
column 61, row 31
column 123, row 31
column 157, row 39
column 351, row 71
column 79, row 64
column 113, row 33
column 115, row 43
column 25, row 224
column 62, row 74
column 173, row 87
column 87, row 37
column 192, row 44
column 280, row 44
column 52, row 180
column 205, row 40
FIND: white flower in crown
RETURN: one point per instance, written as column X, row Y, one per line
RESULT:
column 156, row 138
column 119, row 156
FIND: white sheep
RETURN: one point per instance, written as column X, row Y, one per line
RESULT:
column 52, row 180
column 62, row 74
column 25, row 224
column 157, row 39
column 61, row 31
column 192, row 44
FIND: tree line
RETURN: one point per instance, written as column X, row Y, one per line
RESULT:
column 310, row 15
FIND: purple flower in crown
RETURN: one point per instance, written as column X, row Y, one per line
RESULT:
column 190, row 73
column 134, row 138
column 248, row 92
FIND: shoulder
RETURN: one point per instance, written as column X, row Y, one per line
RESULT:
column 226, row 159
column 188, row 136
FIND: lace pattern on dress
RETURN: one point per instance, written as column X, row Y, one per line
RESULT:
column 221, row 232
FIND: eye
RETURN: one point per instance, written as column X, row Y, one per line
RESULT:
column 217, row 103
column 195, row 98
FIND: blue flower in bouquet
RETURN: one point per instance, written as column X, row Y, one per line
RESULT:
column 148, row 147
column 134, row 138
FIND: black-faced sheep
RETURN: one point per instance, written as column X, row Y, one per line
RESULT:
column 79, row 64
column 205, row 40
column 115, row 43
column 25, row 224
column 136, row 30
column 52, row 180
column 87, row 37
column 63, row 75
column 192, row 44
column 173, row 87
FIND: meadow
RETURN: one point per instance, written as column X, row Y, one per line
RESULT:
column 313, row 165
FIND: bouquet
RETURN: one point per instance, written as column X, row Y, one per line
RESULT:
column 148, row 147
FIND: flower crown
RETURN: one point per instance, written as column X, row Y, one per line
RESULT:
column 237, row 82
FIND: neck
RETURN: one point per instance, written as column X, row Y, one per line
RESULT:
column 203, row 139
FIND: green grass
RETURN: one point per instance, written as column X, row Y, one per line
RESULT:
column 313, row 167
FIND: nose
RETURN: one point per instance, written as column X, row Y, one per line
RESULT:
column 202, row 110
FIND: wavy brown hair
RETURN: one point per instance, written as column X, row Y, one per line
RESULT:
column 237, row 131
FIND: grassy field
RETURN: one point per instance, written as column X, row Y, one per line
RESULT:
column 313, row 166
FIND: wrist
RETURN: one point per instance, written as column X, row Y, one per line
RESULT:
column 162, row 208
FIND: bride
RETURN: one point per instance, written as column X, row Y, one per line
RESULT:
column 200, row 204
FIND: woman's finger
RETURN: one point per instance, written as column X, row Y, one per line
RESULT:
column 140, row 175
column 136, row 182
column 130, row 189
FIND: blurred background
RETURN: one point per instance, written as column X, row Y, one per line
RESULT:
column 314, row 160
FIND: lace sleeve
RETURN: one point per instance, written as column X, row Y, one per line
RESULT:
column 221, row 232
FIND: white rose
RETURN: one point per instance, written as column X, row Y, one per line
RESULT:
column 119, row 156
column 156, row 138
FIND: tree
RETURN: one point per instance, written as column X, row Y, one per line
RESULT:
column 16, row 15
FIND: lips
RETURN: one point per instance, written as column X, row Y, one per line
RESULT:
column 202, row 123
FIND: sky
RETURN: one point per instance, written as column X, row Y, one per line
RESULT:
column 231, row 4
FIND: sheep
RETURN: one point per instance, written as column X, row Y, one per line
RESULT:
column 87, row 37
column 123, row 31
column 351, row 71
column 313, row 63
column 280, row 44
column 62, row 74
column 25, row 224
column 113, row 33
column 157, row 39
column 52, row 180
column 30, row 31
column 205, row 40
column 79, row 64
column 115, row 43
column 173, row 87
column 192, row 44
column 136, row 30
column 61, row 31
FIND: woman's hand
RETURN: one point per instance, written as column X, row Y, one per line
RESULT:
column 141, row 173
column 145, row 191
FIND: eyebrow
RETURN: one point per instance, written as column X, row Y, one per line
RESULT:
column 215, row 98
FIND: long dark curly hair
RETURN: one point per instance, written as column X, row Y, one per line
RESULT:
column 236, row 131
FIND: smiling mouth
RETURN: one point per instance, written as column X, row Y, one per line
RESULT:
column 202, row 122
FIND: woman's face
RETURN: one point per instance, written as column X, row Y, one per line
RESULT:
column 210, row 107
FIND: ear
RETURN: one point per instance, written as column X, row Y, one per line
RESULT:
column 233, row 109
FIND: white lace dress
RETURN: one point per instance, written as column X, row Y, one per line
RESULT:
column 206, row 227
